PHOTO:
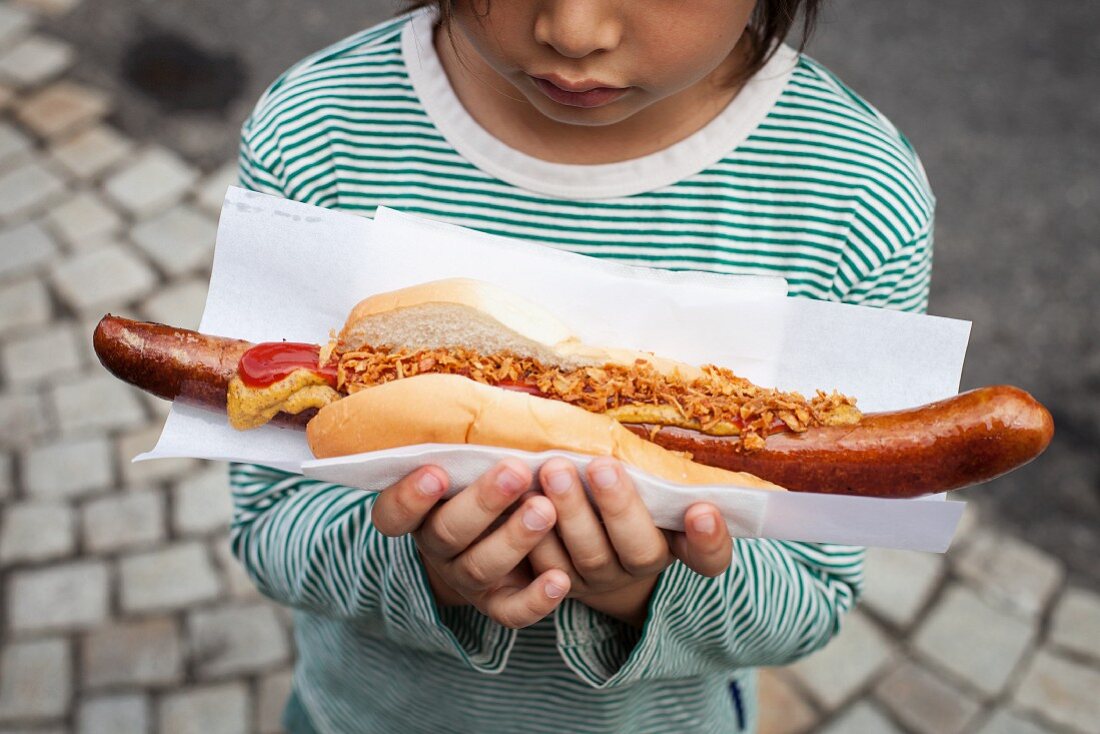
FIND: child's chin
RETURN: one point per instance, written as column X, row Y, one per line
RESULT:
column 609, row 114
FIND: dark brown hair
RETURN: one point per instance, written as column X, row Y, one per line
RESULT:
column 769, row 24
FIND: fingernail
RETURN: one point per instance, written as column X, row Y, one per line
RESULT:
column 429, row 484
column 559, row 482
column 604, row 477
column 554, row 591
column 703, row 524
column 534, row 520
column 509, row 481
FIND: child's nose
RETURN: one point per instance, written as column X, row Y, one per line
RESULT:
column 577, row 28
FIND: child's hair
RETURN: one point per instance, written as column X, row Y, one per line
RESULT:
column 769, row 25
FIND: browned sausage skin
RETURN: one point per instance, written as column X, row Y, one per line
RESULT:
column 175, row 364
column 964, row 440
column 953, row 443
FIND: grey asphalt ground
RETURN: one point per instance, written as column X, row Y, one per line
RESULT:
column 999, row 98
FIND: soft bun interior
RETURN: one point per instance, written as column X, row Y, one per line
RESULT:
column 460, row 312
column 437, row 408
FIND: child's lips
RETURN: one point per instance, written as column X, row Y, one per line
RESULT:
column 585, row 93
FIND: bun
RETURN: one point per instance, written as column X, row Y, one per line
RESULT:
column 459, row 312
column 438, row 408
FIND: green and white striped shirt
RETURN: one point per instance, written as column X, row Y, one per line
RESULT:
column 798, row 177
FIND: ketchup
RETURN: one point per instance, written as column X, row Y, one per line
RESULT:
column 270, row 362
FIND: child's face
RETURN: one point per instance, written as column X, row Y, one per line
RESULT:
column 598, row 62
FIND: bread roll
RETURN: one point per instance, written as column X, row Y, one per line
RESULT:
column 437, row 408
column 459, row 312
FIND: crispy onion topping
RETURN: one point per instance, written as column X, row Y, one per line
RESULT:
column 718, row 402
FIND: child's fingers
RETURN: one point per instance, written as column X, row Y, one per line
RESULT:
column 581, row 531
column 486, row 562
column 550, row 553
column 705, row 545
column 641, row 547
column 454, row 526
column 401, row 508
column 522, row 607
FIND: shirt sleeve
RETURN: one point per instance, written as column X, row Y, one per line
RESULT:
column 779, row 600
column 312, row 545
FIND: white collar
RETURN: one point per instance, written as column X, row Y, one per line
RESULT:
column 572, row 181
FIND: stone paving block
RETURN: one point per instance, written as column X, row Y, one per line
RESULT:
column 900, row 582
column 36, row 531
column 210, row 193
column 85, row 330
column 143, row 653
column 222, row 709
column 782, row 710
column 847, row 663
column 41, row 356
column 175, row 576
column 1006, row 722
column 143, row 472
column 13, row 143
column 15, row 22
column 272, row 697
column 924, row 703
column 1010, row 572
column 154, row 180
column 1076, row 622
column 862, row 718
column 49, row 7
column 1061, row 691
column 64, row 597
column 233, row 640
column 7, row 480
column 25, row 248
column 980, row 643
column 68, row 468
column 35, row 680
column 240, row 586
column 119, row 714
column 180, row 304
column 202, row 502
column 102, row 278
column 84, row 221
column 97, row 403
column 22, row 418
column 179, row 241
column 34, row 60
column 123, row 521
column 91, row 152
column 23, row 304
column 61, row 108
column 28, row 189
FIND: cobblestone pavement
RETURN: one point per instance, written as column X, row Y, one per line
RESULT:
column 122, row 608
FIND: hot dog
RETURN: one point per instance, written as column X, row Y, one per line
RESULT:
column 822, row 445
column 964, row 440
column 176, row 364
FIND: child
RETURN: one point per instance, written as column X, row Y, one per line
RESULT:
column 664, row 134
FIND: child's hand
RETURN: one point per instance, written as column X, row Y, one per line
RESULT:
column 614, row 566
column 472, row 556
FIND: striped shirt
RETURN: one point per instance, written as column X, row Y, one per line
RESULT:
column 798, row 177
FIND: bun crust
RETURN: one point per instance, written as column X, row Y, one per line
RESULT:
column 437, row 408
column 459, row 312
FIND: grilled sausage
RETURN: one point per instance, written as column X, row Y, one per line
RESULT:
column 953, row 443
column 176, row 364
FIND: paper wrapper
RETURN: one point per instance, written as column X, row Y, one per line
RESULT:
column 285, row 270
